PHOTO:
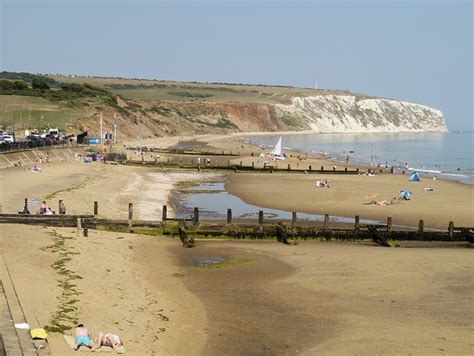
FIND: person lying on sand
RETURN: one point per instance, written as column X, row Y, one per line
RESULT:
column 109, row 339
column 83, row 338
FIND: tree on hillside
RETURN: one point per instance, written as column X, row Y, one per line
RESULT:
column 39, row 83
column 10, row 85
column 20, row 85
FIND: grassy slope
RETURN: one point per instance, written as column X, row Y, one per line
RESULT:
column 37, row 112
column 180, row 91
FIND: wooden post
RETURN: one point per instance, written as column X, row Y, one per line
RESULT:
column 229, row 216
column 451, row 229
column 164, row 214
column 130, row 214
column 389, row 224
column 96, row 208
column 322, row 169
column 356, row 223
column 357, row 170
column 289, row 167
column 79, row 225
column 240, row 163
column 196, row 216
column 420, row 227
column 326, row 221
column 59, row 206
column 345, row 169
column 260, row 217
column 310, row 168
column 26, row 205
column 293, row 217
column 333, row 168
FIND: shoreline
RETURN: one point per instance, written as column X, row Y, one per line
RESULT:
column 456, row 176
column 296, row 192
column 348, row 195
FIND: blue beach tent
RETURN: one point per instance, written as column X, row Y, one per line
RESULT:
column 406, row 194
column 414, row 177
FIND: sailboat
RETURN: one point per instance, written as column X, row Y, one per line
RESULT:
column 277, row 151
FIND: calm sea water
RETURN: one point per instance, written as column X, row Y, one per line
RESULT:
column 447, row 155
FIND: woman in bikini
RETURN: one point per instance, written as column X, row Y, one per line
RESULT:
column 109, row 339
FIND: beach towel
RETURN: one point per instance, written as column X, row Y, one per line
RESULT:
column 70, row 341
column 39, row 333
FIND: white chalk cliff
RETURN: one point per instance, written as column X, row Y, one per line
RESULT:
column 354, row 113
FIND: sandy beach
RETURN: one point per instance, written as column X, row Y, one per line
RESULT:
column 314, row 298
column 348, row 195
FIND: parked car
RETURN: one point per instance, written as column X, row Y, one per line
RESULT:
column 8, row 138
column 34, row 141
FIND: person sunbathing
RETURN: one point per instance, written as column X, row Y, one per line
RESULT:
column 83, row 338
column 110, row 340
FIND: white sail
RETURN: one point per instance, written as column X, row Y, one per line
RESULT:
column 277, row 151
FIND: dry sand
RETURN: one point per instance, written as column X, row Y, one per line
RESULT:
column 105, row 280
column 349, row 195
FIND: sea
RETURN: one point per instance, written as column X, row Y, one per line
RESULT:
column 447, row 155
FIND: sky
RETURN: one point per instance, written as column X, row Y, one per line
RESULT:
column 420, row 51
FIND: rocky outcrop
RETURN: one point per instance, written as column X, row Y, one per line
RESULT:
column 353, row 113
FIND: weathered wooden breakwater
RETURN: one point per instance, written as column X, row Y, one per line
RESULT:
column 255, row 230
column 189, row 152
column 190, row 165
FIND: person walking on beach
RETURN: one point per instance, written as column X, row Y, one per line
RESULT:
column 62, row 208
column 83, row 338
column 110, row 340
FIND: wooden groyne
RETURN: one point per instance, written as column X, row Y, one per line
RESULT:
column 258, row 228
column 171, row 164
column 186, row 152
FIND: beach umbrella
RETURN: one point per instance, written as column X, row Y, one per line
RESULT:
column 405, row 194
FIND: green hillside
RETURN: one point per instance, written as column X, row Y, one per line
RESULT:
column 192, row 91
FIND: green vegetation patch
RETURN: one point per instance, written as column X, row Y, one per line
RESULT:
column 170, row 227
column 187, row 94
column 65, row 316
column 231, row 261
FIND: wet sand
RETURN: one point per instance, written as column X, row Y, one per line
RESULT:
column 248, row 312
column 327, row 298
